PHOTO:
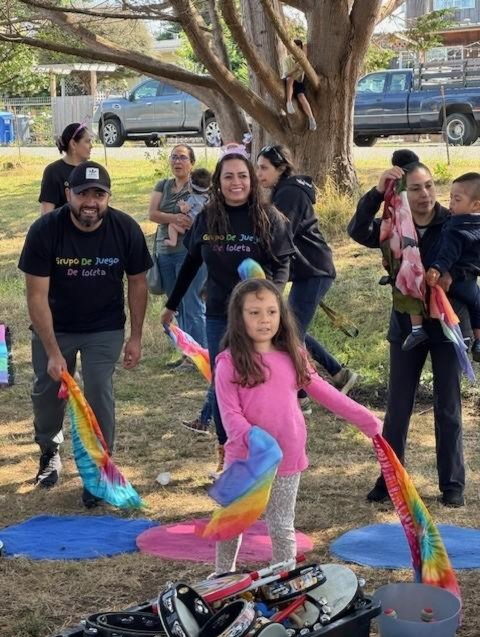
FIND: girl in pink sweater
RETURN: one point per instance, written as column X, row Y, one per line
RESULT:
column 257, row 377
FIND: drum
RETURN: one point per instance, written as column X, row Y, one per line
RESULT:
column 182, row 610
column 292, row 584
column 223, row 587
column 123, row 625
column 263, row 627
column 337, row 594
column 233, row 620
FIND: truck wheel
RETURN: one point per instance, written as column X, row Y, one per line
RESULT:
column 111, row 133
column 364, row 140
column 212, row 132
column 461, row 129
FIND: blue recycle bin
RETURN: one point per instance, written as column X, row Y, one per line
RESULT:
column 6, row 127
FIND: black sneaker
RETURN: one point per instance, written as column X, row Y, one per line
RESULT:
column 476, row 350
column 49, row 469
column 452, row 499
column 414, row 339
column 89, row 500
column 379, row 493
column 197, row 426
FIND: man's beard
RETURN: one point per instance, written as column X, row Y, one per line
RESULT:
column 90, row 220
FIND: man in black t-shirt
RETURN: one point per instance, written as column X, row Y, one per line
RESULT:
column 74, row 260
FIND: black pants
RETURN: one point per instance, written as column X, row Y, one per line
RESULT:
column 468, row 292
column 405, row 370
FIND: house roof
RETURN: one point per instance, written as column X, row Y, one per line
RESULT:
column 75, row 67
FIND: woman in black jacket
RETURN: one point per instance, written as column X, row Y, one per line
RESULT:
column 311, row 270
column 406, row 366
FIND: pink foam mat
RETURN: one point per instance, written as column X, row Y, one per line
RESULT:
column 179, row 542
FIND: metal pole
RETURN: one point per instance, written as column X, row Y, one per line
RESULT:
column 103, row 134
column 444, row 108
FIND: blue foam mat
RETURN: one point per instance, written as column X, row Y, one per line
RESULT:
column 72, row 537
column 385, row 546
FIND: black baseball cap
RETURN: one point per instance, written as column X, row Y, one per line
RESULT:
column 89, row 174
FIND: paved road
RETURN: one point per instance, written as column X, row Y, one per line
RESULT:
column 429, row 153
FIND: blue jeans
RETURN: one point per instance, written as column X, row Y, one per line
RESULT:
column 191, row 311
column 468, row 292
column 304, row 299
column 216, row 328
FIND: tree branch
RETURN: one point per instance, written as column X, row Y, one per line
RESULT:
column 388, row 8
column 217, row 33
column 201, row 42
column 296, row 51
column 363, row 18
column 263, row 71
column 113, row 14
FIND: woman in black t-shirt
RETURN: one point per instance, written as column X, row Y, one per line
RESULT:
column 233, row 226
column 76, row 143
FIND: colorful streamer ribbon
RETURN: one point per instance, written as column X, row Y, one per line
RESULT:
column 6, row 371
column 190, row 348
column 430, row 560
column 243, row 489
column 441, row 309
column 99, row 474
column 250, row 269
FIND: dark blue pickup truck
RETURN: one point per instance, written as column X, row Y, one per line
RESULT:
column 399, row 103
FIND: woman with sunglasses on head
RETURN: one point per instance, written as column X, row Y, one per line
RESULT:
column 311, row 271
column 76, row 143
column 233, row 226
column 164, row 208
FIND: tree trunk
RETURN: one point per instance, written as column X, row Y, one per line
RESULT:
column 264, row 37
column 323, row 155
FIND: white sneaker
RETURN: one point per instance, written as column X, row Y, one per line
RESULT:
column 312, row 124
column 290, row 108
column 344, row 380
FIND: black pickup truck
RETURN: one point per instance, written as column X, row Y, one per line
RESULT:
column 408, row 102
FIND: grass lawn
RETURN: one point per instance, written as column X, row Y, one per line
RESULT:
column 38, row 599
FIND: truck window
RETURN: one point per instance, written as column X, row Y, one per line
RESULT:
column 373, row 83
column 170, row 90
column 398, row 83
column 149, row 89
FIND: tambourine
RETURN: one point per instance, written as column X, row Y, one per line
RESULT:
column 123, row 625
column 264, row 627
column 182, row 610
column 223, row 587
column 296, row 582
column 234, row 620
column 337, row 594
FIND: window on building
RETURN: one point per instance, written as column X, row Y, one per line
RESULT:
column 453, row 4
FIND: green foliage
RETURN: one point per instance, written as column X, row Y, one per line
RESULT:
column 188, row 60
column 377, row 58
column 17, row 75
column 423, row 34
column 442, row 173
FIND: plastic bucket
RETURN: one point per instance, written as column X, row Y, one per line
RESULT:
column 408, row 600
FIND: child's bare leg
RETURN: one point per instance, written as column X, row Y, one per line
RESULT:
column 289, row 94
column 476, row 334
column 418, row 334
column 304, row 103
column 172, row 235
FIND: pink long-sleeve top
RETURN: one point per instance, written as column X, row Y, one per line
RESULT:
column 273, row 406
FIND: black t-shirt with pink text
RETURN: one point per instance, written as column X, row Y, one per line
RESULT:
column 86, row 269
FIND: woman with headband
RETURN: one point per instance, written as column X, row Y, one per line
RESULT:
column 76, row 143
column 312, row 271
column 233, row 226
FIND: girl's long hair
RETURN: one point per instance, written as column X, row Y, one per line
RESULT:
column 260, row 214
column 249, row 368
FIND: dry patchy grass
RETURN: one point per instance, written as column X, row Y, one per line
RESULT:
column 38, row 599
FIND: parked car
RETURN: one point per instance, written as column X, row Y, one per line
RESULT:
column 154, row 109
column 400, row 103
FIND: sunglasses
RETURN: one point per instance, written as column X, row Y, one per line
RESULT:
column 179, row 158
column 274, row 150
